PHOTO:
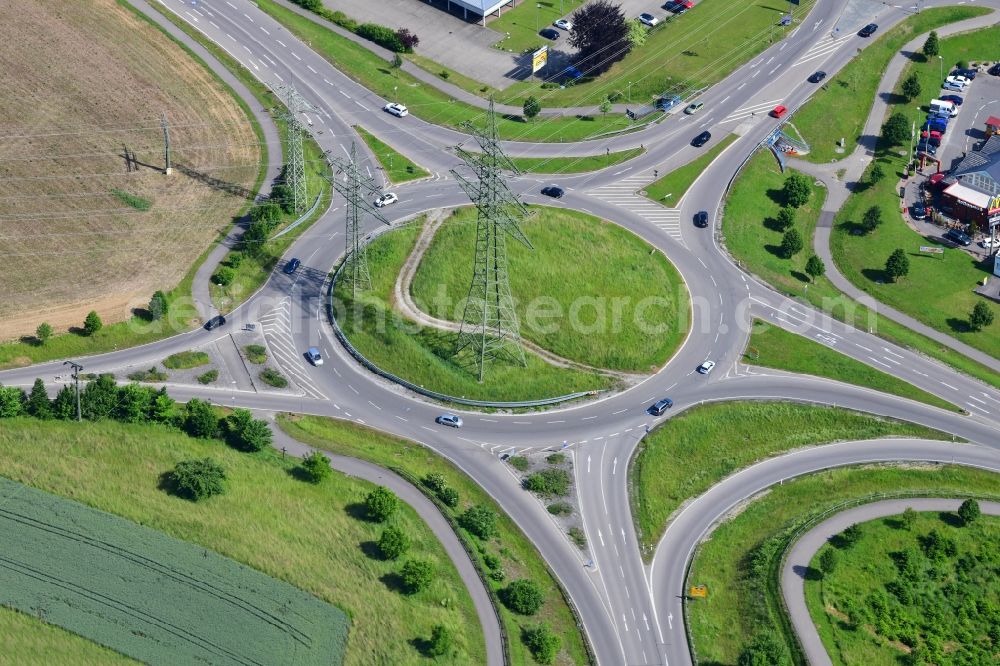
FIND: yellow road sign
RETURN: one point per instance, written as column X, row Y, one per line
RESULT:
column 698, row 592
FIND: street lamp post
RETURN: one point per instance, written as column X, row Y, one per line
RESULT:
column 629, row 91
column 941, row 66
column 538, row 6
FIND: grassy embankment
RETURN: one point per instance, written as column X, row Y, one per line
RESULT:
column 553, row 165
column 518, row 557
column 295, row 531
column 397, row 167
column 740, row 563
column 691, row 452
column 774, row 347
column 672, row 187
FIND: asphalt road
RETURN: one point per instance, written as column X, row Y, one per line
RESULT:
column 628, row 613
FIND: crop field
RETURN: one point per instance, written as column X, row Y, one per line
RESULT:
column 80, row 232
column 150, row 596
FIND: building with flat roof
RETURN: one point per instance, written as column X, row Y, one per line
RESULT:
column 481, row 7
column 971, row 192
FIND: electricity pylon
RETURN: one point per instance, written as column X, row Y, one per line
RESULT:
column 489, row 323
column 295, row 166
column 357, row 190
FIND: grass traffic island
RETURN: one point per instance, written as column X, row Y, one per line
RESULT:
column 774, row 347
column 424, row 355
column 505, row 556
column 740, row 563
column 691, row 452
column 553, row 165
column 186, row 360
column 397, row 167
column 917, row 584
column 840, row 108
column 590, row 291
column 671, row 188
column 309, row 535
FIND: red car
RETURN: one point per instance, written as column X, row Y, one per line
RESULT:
column 778, row 111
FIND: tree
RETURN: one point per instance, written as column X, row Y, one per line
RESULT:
column 636, row 33
column 133, row 403
column 896, row 130
column 523, row 596
column 815, row 267
column 764, row 650
column 315, row 467
column 828, row 560
column 158, row 306
column 161, row 407
column 407, row 39
column 981, row 316
column 247, row 433
column 897, row 265
column 99, row 398
column 200, row 419
column 198, row 479
column 876, row 174
column 851, row 535
column 606, row 106
column 785, row 218
column 397, row 61
column 449, row 496
column 908, row 517
column 64, row 404
column 417, row 575
column 871, row 219
column 542, row 642
column 38, row 404
column 791, row 243
column 600, row 36
column 796, row 190
column 282, row 194
column 969, row 511
column 381, row 504
column 932, row 46
column 12, row 401
column 393, row 543
column 480, row 520
column 440, row 642
column 254, row 238
column 92, row 324
column 224, row 276
column 531, row 107
column 43, row 332
column 911, row 87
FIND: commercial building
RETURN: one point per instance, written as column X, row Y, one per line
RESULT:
column 481, row 7
column 971, row 192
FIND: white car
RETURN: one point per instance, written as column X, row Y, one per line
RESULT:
column 648, row 19
column 988, row 244
column 386, row 199
column 395, row 109
column 563, row 24
column 706, row 367
column 960, row 80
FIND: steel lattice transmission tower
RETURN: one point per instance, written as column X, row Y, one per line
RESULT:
column 490, row 329
column 357, row 190
column 295, row 166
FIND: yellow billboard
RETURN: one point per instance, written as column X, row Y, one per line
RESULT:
column 539, row 58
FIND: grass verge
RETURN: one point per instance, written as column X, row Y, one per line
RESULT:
column 552, row 165
column 305, row 534
column 671, row 188
column 34, row 642
column 740, row 563
column 691, row 452
column 517, row 555
column 396, row 166
column 185, row 360
column 773, row 347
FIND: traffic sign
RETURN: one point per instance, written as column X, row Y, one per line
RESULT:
column 698, row 592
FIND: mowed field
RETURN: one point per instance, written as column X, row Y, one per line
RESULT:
column 151, row 596
column 82, row 80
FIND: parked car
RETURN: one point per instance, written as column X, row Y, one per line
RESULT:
column 967, row 73
column 701, row 139
column 563, row 24
column 450, row 420
column 679, row 6
column 868, row 30
column 934, row 139
column 988, row 243
column 701, row 219
column 994, row 70
column 667, row 103
column 395, row 109
column 949, row 85
column 314, row 357
column 386, row 199
column 954, row 99
column 959, row 79
column 817, row 77
column 957, row 237
column 292, row 266
column 549, row 33
column 925, row 147
column 215, row 322
column 553, row 191
column 661, row 406
column 918, row 212
column 693, row 108
column 779, row 111
column 648, row 19
column 706, row 367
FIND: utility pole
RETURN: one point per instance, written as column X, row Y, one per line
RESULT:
column 357, row 190
column 295, row 168
column 76, row 377
column 166, row 145
column 490, row 330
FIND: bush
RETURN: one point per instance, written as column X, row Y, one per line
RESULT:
column 397, row 61
column 268, row 212
column 556, row 458
column 224, row 276
column 479, row 520
column 234, row 260
column 11, row 402
column 186, row 359
column 828, row 560
column 491, row 561
column 247, row 433
column 876, row 174
column 449, row 496
column 766, row 649
column 311, row 5
column 92, row 324
column 548, row 482
column 393, row 543
column 577, row 536
column 851, row 535
column 315, row 467
column 341, row 19
column 43, row 332
column 158, row 306
column 381, row 35
column 417, row 575
column 436, row 482
column 255, row 354
column 544, row 644
column 969, row 511
column 200, row 419
column 407, row 39
column 440, row 642
column 381, row 503
column 254, row 237
column 281, row 194
column 154, row 374
column 99, row 398
column 273, row 378
column 208, row 377
column 520, row 463
column 560, row 509
column 523, row 597
column 198, row 479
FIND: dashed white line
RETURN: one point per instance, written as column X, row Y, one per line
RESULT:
column 282, row 43
column 265, row 30
column 948, row 385
column 295, row 55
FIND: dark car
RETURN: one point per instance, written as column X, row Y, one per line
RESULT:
column 817, row 77
column 994, row 70
column 701, row 219
column 967, row 73
column 292, row 266
column 553, row 191
column 549, row 33
column 661, row 406
column 918, row 212
column 957, row 237
column 926, row 147
column 954, row 99
column 701, row 139
column 215, row 322
column 868, row 30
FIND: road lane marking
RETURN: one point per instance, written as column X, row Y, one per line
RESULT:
column 948, row 385
column 880, row 362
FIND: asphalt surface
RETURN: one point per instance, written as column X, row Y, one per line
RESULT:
column 630, row 615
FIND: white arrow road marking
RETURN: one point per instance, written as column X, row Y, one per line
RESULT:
column 670, row 621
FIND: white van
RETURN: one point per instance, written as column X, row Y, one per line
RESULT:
column 942, row 106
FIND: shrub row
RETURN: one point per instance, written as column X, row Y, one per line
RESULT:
column 397, row 41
